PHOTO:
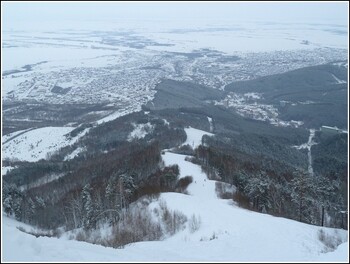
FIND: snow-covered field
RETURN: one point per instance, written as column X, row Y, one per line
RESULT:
column 8, row 137
column 249, row 36
column 38, row 143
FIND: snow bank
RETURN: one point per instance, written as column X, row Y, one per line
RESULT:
column 340, row 254
column 19, row 246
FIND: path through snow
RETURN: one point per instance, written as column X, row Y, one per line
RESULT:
column 201, row 185
column 308, row 146
column 338, row 80
column 210, row 120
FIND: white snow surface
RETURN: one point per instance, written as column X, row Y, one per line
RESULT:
column 74, row 153
column 338, row 81
column 118, row 114
column 210, row 120
column 194, row 136
column 140, row 131
column 6, row 169
column 339, row 255
column 12, row 135
column 61, row 56
column 38, row 143
column 226, row 233
column 166, row 122
column 254, row 36
column 200, row 187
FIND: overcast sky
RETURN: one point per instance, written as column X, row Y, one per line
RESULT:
column 15, row 15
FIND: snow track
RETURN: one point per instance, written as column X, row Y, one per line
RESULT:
column 201, row 186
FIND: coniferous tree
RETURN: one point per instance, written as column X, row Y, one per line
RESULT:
column 302, row 194
column 12, row 200
column 113, row 206
column 89, row 216
column 257, row 190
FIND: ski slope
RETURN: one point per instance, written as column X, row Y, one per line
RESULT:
column 194, row 136
column 201, row 186
column 226, row 233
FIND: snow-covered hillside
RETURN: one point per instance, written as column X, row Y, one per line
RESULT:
column 194, row 136
column 36, row 144
column 224, row 232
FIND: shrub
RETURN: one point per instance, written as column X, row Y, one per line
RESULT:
column 21, row 228
column 137, row 224
column 184, row 149
column 331, row 242
column 82, row 236
column 40, row 233
column 214, row 236
column 183, row 183
column 194, row 223
column 223, row 190
column 173, row 220
column 241, row 199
